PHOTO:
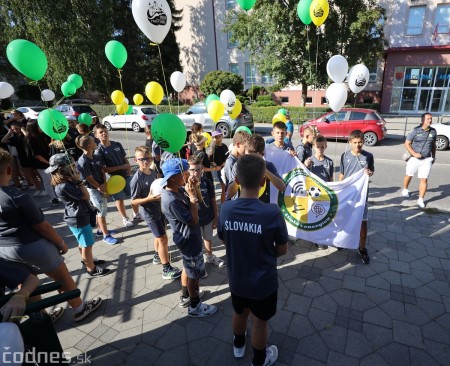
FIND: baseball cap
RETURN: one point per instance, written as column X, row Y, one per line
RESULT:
column 58, row 160
column 216, row 133
column 173, row 167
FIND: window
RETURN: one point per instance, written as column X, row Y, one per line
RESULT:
column 267, row 79
column 415, row 20
column 323, row 100
column 197, row 109
column 357, row 116
column 250, row 73
column 284, row 99
column 442, row 18
column 232, row 44
column 234, row 68
column 230, row 4
column 308, row 100
column 373, row 75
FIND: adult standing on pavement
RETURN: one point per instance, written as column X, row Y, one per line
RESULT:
column 421, row 144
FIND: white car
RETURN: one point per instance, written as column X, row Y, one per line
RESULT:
column 31, row 112
column 142, row 116
column 443, row 135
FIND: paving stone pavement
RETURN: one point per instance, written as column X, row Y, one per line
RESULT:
column 332, row 309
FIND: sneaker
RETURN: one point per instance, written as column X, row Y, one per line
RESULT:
column 214, row 260
column 99, row 233
column 55, row 314
column 108, row 239
column 96, row 262
column 420, row 203
column 55, row 202
column 202, row 310
column 127, row 222
column 186, row 301
column 321, row 247
column 239, row 352
column 97, row 272
column 271, row 355
column 156, row 259
column 137, row 216
column 364, row 255
column 405, row 193
column 89, row 307
column 340, row 248
column 171, row 274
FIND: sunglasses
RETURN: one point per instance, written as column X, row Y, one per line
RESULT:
column 143, row 159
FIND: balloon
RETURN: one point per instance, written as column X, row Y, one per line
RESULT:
column 337, row 95
column 178, row 81
column 129, row 110
column 68, row 88
column 228, row 99
column 358, row 78
column 116, row 53
column 279, row 118
column 154, row 92
column 318, row 11
column 210, row 98
column 156, row 187
column 337, row 68
column 169, row 132
column 153, row 18
column 237, row 109
column 117, row 97
column 115, row 184
column 246, row 4
column 138, row 99
column 122, row 108
column 85, row 118
column 27, row 58
column 208, row 138
column 47, row 95
column 303, row 11
column 6, row 90
column 126, row 101
column 282, row 111
column 76, row 79
column 53, row 123
column 216, row 110
column 262, row 189
column 244, row 128
column 11, row 341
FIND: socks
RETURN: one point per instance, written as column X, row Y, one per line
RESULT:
column 184, row 291
column 259, row 356
column 239, row 340
column 78, row 308
column 195, row 301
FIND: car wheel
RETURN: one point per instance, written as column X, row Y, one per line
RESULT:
column 370, row 138
column 135, row 126
column 224, row 128
column 107, row 125
column 441, row 143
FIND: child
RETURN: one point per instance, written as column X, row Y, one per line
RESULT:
column 91, row 168
column 196, row 132
column 180, row 206
column 304, row 149
column 351, row 162
column 150, row 209
column 83, row 129
column 279, row 134
column 218, row 157
column 289, row 127
column 72, row 192
column 207, row 208
column 252, row 268
column 200, row 151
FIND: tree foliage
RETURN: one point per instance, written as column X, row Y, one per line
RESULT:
column 216, row 81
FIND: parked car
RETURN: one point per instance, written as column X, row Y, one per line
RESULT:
column 339, row 125
column 31, row 112
column 443, row 135
column 142, row 116
column 198, row 113
column 75, row 110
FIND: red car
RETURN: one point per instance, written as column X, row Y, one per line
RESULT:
column 339, row 125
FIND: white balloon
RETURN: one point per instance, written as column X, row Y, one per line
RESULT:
column 6, row 90
column 47, row 95
column 337, row 68
column 228, row 99
column 358, row 78
column 156, row 187
column 178, row 81
column 337, row 95
column 153, row 17
column 11, row 340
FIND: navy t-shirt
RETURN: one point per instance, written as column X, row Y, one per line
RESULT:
column 140, row 188
column 205, row 208
column 251, row 229
column 304, row 151
column 322, row 168
column 422, row 141
column 112, row 156
column 76, row 210
column 91, row 167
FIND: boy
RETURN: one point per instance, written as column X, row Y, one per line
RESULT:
column 252, row 268
column 279, row 133
column 304, row 149
column 150, row 209
column 352, row 162
column 207, row 208
column 289, row 127
column 218, row 158
column 180, row 206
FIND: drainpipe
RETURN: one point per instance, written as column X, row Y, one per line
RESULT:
column 215, row 36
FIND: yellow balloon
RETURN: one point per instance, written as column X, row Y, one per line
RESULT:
column 216, row 110
column 261, row 189
column 279, row 117
column 318, row 11
column 117, row 97
column 122, row 108
column 237, row 109
column 115, row 184
column 138, row 99
column 154, row 92
column 208, row 138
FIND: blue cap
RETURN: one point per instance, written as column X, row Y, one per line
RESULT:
column 173, row 167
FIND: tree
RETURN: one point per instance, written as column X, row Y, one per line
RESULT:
column 283, row 47
column 216, row 81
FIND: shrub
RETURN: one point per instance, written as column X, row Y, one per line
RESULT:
column 217, row 81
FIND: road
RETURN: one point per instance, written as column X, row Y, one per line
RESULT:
column 389, row 168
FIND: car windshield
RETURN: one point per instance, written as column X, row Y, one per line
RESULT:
column 82, row 108
column 149, row 111
column 38, row 109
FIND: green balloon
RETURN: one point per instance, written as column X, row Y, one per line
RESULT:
column 244, row 128
column 169, row 132
column 27, row 58
column 303, row 11
column 129, row 110
column 282, row 111
column 85, row 118
column 53, row 123
column 210, row 98
column 76, row 79
column 68, row 88
column 116, row 53
column 246, row 4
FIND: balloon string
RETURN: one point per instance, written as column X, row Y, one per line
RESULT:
column 119, row 71
column 164, row 76
column 315, row 86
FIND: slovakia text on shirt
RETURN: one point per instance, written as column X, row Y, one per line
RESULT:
column 243, row 226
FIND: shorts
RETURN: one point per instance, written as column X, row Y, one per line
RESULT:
column 99, row 201
column 157, row 227
column 41, row 256
column 194, row 266
column 124, row 193
column 420, row 166
column 207, row 231
column 84, row 235
column 263, row 309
